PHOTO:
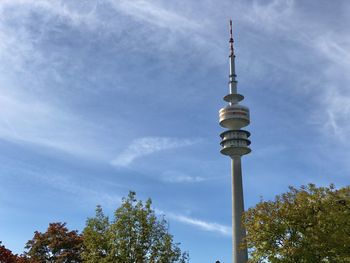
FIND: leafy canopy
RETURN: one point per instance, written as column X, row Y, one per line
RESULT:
column 309, row 224
column 57, row 244
column 6, row 255
column 135, row 235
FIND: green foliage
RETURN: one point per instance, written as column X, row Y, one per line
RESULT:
column 309, row 224
column 135, row 235
column 97, row 246
column 57, row 245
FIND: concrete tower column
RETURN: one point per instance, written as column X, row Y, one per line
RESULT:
column 238, row 232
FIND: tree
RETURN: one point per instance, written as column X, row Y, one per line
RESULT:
column 136, row 235
column 6, row 256
column 309, row 224
column 97, row 247
column 57, row 244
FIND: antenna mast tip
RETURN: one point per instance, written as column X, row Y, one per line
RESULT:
column 231, row 39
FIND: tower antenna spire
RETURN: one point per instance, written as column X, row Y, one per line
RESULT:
column 231, row 40
column 232, row 82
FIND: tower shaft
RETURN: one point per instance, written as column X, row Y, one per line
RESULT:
column 238, row 232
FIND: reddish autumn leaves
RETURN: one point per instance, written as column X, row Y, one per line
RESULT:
column 57, row 244
column 6, row 256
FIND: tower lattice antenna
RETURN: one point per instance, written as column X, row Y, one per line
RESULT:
column 231, row 40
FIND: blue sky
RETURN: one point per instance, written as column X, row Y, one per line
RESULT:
column 101, row 97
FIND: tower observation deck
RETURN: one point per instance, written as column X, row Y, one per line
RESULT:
column 235, row 143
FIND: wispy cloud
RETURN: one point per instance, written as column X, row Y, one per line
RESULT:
column 27, row 120
column 36, row 112
column 338, row 115
column 269, row 15
column 153, row 13
column 326, row 45
column 335, row 102
column 178, row 177
column 78, row 13
column 148, row 145
column 200, row 224
column 81, row 192
column 335, row 47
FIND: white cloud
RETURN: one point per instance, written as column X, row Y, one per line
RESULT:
column 203, row 225
column 18, row 47
column 178, row 177
column 33, row 111
column 334, row 47
column 338, row 115
column 155, row 14
column 275, row 14
column 24, row 119
column 333, row 113
column 36, row 113
column 324, row 44
column 85, row 193
column 77, row 13
column 86, row 13
column 148, row 145
column 200, row 224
